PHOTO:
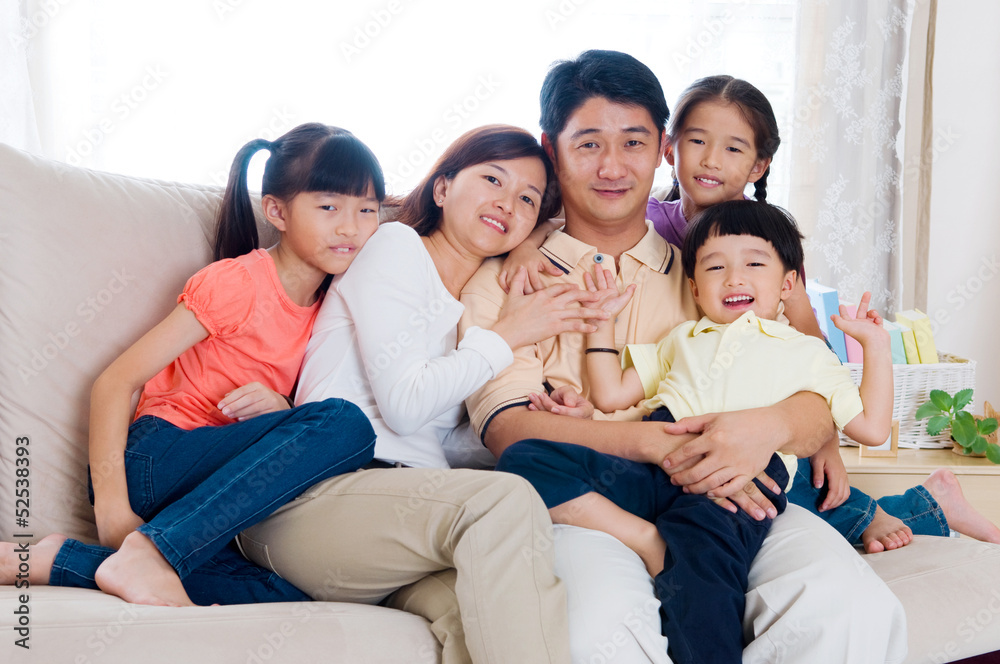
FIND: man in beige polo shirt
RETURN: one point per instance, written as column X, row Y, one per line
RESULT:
column 603, row 120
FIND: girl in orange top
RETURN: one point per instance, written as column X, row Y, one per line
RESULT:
column 215, row 445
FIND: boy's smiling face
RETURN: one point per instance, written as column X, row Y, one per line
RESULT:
column 734, row 274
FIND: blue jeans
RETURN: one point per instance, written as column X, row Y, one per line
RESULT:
column 709, row 550
column 915, row 507
column 197, row 489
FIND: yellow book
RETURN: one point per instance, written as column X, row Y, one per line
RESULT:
column 918, row 321
column 910, row 346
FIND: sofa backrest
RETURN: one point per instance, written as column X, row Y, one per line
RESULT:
column 89, row 262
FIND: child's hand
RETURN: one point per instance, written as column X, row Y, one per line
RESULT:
column 563, row 401
column 251, row 400
column 828, row 467
column 534, row 262
column 608, row 298
column 865, row 326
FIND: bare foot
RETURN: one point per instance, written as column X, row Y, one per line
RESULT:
column 961, row 515
column 38, row 560
column 139, row 573
column 885, row 533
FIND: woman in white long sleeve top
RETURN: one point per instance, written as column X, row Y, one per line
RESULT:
column 386, row 339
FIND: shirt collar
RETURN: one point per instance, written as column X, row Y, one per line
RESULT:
column 771, row 328
column 652, row 251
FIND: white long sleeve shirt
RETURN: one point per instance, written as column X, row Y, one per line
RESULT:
column 385, row 339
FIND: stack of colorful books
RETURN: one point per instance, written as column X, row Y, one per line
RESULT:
column 911, row 333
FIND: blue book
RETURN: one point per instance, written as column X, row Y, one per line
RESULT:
column 825, row 302
column 895, row 331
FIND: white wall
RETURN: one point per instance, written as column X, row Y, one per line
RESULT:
column 964, row 269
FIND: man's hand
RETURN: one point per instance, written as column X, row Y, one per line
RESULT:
column 752, row 500
column 723, row 459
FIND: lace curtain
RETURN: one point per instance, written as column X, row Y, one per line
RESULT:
column 847, row 143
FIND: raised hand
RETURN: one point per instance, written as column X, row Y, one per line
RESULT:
column 865, row 325
column 609, row 299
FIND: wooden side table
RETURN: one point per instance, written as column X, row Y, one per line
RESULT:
column 884, row 476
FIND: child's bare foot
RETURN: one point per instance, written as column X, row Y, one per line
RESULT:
column 40, row 558
column 885, row 533
column 139, row 573
column 961, row 515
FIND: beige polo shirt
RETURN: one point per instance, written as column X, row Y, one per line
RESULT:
column 662, row 300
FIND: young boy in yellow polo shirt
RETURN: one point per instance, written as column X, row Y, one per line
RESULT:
column 741, row 259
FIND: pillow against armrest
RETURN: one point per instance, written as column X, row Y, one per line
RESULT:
column 89, row 262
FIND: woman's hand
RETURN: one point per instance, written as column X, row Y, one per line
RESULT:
column 563, row 401
column 529, row 318
column 251, row 400
column 115, row 524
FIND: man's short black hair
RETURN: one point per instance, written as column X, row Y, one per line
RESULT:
column 616, row 76
column 763, row 220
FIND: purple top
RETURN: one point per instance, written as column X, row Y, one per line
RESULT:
column 668, row 220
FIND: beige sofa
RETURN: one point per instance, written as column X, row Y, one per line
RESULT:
column 88, row 261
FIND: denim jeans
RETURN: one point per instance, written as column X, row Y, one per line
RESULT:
column 709, row 549
column 915, row 507
column 197, row 489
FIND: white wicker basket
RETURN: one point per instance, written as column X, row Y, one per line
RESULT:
column 913, row 385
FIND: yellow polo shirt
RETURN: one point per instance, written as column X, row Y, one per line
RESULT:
column 662, row 301
column 706, row 367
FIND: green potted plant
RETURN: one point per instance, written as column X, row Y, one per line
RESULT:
column 971, row 435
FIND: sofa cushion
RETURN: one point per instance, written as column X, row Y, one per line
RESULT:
column 76, row 625
column 88, row 263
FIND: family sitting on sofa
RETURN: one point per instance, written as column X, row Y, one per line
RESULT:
column 314, row 394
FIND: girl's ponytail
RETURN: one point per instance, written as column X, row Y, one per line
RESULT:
column 237, row 229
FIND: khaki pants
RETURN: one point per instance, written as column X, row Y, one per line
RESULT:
column 484, row 538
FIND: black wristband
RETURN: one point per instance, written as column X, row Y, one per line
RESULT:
column 601, row 350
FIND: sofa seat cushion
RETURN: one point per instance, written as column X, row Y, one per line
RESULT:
column 950, row 589
column 84, row 626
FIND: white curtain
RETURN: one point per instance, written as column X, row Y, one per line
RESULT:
column 846, row 143
column 17, row 110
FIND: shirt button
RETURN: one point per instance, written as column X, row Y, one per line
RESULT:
column 598, row 258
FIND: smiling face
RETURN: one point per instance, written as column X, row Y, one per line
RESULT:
column 605, row 159
column 734, row 274
column 714, row 156
column 490, row 208
column 325, row 230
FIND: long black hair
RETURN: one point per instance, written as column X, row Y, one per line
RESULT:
column 310, row 157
